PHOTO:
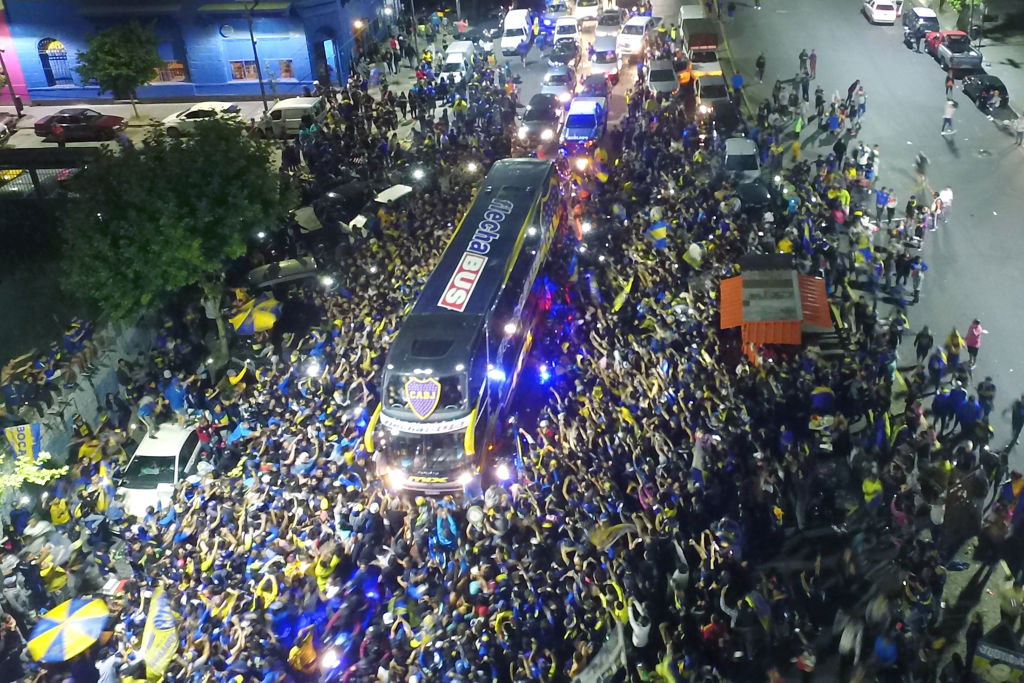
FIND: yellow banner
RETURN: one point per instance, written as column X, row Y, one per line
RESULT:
column 160, row 636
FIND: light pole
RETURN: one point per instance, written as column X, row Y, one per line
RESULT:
column 15, row 100
column 415, row 28
column 256, row 55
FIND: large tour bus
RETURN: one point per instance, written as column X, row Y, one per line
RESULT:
column 452, row 367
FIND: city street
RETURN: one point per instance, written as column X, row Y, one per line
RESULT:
column 973, row 262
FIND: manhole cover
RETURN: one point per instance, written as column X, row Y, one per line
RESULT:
column 984, row 153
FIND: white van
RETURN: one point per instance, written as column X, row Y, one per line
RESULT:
column 515, row 31
column 457, row 65
column 156, row 467
column 587, row 10
column 284, row 120
column 691, row 9
column 567, row 27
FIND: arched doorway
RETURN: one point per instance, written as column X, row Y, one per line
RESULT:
column 54, row 58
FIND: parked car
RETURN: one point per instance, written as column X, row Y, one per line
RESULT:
column 553, row 11
column 742, row 162
column 917, row 23
column 705, row 63
column 711, row 92
column 156, row 467
column 635, row 35
column 595, row 85
column 880, row 11
column 567, row 27
column 953, row 50
column 542, row 120
column 80, row 125
column 610, row 22
column 587, row 10
column 979, row 87
column 559, row 81
column 662, row 78
column 606, row 60
column 585, row 123
column 184, row 122
column 565, row 52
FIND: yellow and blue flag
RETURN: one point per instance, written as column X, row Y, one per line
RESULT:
column 160, row 635
column 620, row 299
column 658, row 234
column 574, row 270
column 25, row 440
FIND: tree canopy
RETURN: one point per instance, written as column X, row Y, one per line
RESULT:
column 121, row 59
column 142, row 224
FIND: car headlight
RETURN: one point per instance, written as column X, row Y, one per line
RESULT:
column 523, row 133
column 547, row 135
column 704, row 109
column 564, row 97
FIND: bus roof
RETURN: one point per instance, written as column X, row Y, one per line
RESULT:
column 475, row 263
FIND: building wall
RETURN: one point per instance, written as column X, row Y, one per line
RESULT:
column 11, row 61
column 205, row 42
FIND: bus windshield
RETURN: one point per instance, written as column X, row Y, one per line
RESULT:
column 434, row 453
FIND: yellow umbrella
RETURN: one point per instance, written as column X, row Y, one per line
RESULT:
column 257, row 315
column 68, row 629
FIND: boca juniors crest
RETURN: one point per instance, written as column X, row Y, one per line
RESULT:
column 423, row 395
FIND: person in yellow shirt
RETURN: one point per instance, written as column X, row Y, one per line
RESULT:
column 59, row 513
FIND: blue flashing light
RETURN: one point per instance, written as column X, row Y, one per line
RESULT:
column 545, row 374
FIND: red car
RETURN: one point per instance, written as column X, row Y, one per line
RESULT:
column 952, row 49
column 80, row 124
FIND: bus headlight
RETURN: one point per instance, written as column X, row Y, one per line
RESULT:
column 396, row 479
column 523, row 132
column 547, row 135
column 465, row 479
column 503, row 472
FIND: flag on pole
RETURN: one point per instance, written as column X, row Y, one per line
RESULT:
column 658, row 234
column 160, row 635
column 574, row 269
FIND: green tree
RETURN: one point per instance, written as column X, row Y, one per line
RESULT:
column 121, row 59
column 143, row 224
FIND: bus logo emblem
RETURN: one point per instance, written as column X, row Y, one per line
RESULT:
column 423, row 396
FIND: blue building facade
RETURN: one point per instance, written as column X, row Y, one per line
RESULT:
column 205, row 46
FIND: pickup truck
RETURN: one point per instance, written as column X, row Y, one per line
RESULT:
column 700, row 34
column 952, row 49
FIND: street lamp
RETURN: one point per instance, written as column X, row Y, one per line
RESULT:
column 15, row 100
column 255, row 54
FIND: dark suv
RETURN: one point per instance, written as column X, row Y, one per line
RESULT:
column 918, row 21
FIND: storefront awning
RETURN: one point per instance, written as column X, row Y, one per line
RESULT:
column 233, row 7
column 774, row 306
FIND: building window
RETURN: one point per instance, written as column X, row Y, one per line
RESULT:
column 244, row 70
column 171, row 72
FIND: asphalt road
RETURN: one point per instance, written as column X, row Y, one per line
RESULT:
column 973, row 268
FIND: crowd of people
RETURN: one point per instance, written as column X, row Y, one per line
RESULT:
column 668, row 470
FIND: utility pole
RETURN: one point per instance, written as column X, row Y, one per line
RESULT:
column 15, row 100
column 338, row 44
column 256, row 55
column 415, row 28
